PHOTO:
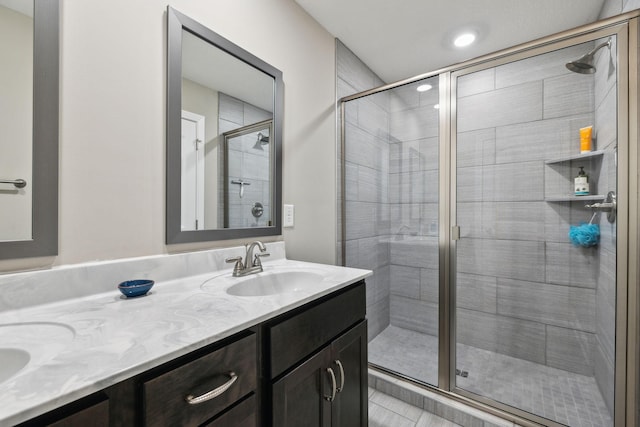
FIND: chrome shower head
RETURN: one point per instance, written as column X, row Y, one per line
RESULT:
column 262, row 140
column 584, row 64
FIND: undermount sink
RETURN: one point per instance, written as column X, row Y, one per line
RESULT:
column 272, row 281
column 32, row 343
column 13, row 360
column 262, row 284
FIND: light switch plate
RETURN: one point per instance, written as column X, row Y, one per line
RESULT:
column 288, row 216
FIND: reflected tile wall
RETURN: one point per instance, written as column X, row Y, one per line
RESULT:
column 413, row 194
column 245, row 163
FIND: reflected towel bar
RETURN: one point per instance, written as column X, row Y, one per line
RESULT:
column 19, row 183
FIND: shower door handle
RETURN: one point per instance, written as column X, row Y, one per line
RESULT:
column 455, row 232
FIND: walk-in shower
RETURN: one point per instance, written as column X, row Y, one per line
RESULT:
column 460, row 198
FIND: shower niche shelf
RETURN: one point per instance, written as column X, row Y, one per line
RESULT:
column 570, row 198
column 560, row 172
column 583, row 156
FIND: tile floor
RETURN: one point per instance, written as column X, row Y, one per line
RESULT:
column 387, row 411
column 565, row 397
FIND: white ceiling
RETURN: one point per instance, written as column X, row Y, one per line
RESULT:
column 398, row 39
column 20, row 6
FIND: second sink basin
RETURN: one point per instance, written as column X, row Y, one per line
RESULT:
column 13, row 360
column 30, row 344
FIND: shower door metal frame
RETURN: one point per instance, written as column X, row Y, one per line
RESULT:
column 626, row 27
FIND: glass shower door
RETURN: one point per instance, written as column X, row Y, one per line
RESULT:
column 534, row 305
column 391, row 207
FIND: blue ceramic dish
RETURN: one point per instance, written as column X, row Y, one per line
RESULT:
column 135, row 288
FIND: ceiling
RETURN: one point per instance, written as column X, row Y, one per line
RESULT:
column 20, row 6
column 212, row 67
column 404, row 38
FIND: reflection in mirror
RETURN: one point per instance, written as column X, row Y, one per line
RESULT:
column 29, row 128
column 247, row 187
column 224, row 114
column 16, row 118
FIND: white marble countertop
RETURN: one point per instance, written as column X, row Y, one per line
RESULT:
column 82, row 345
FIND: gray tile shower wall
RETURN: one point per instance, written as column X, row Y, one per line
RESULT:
column 366, row 183
column 548, row 297
column 413, row 194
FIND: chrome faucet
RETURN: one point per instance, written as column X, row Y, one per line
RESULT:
column 252, row 263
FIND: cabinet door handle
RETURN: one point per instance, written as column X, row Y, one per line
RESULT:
column 333, row 385
column 337, row 362
column 191, row 400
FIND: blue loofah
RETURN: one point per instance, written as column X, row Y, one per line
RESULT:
column 584, row 235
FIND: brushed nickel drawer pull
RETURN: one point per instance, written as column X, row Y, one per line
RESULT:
column 333, row 385
column 213, row 393
column 337, row 362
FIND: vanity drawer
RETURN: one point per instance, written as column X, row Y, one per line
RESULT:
column 311, row 327
column 243, row 415
column 165, row 397
column 90, row 411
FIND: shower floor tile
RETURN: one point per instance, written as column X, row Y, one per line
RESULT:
column 565, row 397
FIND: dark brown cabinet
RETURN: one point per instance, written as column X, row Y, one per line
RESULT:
column 329, row 388
column 304, row 368
column 319, row 363
column 92, row 411
column 199, row 390
column 350, row 407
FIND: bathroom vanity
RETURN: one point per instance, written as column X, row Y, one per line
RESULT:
column 194, row 354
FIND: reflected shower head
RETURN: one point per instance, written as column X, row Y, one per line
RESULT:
column 262, row 140
column 584, row 64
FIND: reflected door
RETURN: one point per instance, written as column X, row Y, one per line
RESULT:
column 192, row 182
column 535, row 304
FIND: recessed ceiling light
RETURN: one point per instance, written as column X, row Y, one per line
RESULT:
column 424, row 88
column 437, row 106
column 464, row 39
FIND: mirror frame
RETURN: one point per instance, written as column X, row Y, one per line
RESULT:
column 176, row 23
column 44, row 178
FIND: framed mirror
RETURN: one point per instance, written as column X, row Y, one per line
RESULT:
column 29, row 47
column 224, row 127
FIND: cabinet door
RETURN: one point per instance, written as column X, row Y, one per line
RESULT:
column 299, row 397
column 349, row 361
